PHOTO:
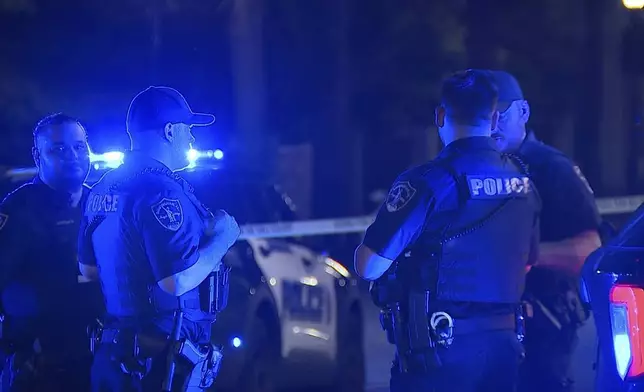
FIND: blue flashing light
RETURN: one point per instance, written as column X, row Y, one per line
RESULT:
column 111, row 159
column 193, row 155
column 114, row 159
column 236, row 342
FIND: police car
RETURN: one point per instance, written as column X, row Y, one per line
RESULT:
column 294, row 316
column 612, row 285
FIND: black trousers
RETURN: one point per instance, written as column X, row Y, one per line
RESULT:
column 486, row 361
column 548, row 359
column 71, row 375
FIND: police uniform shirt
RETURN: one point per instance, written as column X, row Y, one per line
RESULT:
column 427, row 195
column 38, row 258
column 412, row 200
column 151, row 231
column 569, row 206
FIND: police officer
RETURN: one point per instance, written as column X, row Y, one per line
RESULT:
column 570, row 225
column 456, row 235
column 152, row 245
column 46, row 309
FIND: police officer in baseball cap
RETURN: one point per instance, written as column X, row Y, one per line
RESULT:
column 155, row 244
column 569, row 231
column 448, row 252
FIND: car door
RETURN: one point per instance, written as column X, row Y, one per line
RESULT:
column 302, row 287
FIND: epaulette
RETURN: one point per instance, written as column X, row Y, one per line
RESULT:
column 23, row 193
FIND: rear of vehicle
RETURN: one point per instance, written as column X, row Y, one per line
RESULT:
column 613, row 285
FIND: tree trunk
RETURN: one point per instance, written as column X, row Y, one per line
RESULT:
column 482, row 46
column 338, row 148
column 259, row 148
column 614, row 129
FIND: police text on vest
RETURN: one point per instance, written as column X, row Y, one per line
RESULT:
column 497, row 187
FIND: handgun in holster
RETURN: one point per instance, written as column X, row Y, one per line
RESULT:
column 422, row 339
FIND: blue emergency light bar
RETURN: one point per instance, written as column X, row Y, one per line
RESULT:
column 114, row 159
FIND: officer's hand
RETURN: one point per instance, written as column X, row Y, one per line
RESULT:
column 223, row 227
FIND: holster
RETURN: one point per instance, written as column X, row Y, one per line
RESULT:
column 201, row 364
column 408, row 327
column 133, row 350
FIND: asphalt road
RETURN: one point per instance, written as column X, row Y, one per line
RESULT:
column 379, row 354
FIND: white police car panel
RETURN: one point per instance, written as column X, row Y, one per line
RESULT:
column 304, row 293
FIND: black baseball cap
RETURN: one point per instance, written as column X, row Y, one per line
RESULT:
column 509, row 88
column 156, row 106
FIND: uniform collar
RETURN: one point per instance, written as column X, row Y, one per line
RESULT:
column 530, row 137
column 137, row 159
column 470, row 144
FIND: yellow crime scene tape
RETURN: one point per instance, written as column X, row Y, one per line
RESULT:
column 606, row 206
column 358, row 224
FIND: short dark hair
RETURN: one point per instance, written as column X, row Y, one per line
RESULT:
column 469, row 97
column 53, row 120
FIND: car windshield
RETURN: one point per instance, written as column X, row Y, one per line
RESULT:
column 632, row 233
column 248, row 201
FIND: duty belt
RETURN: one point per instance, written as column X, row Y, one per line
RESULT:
column 467, row 326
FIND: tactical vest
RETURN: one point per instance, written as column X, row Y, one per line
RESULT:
column 123, row 287
column 479, row 252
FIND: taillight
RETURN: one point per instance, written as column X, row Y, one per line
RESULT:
column 627, row 325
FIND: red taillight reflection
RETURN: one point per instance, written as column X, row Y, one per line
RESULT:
column 632, row 298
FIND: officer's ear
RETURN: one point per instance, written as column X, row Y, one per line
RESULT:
column 35, row 154
column 168, row 132
column 439, row 116
column 495, row 120
column 525, row 111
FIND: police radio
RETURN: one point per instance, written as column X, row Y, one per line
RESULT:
column 218, row 284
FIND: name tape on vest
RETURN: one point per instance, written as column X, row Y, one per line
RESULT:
column 497, row 187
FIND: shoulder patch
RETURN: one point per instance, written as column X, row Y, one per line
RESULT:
column 583, row 179
column 168, row 213
column 399, row 195
column 498, row 187
column 3, row 220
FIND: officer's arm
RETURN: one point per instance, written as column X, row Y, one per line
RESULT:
column 13, row 238
column 86, row 260
column 534, row 244
column 398, row 223
column 172, row 229
column 579, row 215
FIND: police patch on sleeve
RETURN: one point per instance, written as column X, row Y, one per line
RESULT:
column 498, row 187
column 169, row 213
column 583, row 179
column 399, row 195
column 3, row 220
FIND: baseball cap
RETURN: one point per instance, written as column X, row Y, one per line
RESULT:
column 508, row 86
column 158, row 105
